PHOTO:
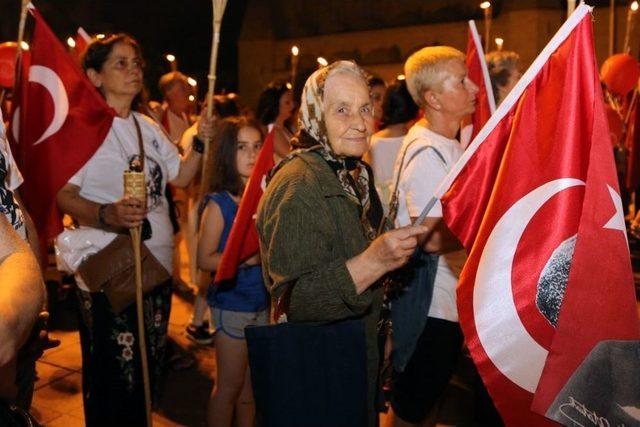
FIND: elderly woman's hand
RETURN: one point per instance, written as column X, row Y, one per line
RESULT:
column 394, row 248
column 205, row 127
column 127, row 212
column 386, row 253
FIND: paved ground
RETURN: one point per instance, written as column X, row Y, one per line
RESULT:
column 58, row 400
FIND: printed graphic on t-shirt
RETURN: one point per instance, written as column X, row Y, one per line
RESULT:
column 154, row 180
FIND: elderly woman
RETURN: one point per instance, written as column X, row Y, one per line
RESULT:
column 504, row 71
column 112, row 379
column 319, row 217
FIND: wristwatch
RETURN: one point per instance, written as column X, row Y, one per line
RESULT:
column 101, row 213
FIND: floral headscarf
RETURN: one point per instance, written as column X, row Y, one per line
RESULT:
column 312, row 136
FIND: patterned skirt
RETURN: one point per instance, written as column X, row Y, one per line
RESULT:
column 113, row 390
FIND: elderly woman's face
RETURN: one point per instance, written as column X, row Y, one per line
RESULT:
column 348, row 114
column 121, row 74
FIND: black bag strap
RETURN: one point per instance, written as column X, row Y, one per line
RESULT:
column 140, row 143
column 393, row 203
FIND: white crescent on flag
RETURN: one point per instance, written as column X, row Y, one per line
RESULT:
column 493, row 302
column 52, row 82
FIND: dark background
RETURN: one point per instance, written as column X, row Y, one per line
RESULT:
column 184, row 27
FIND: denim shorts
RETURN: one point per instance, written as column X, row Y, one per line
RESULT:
column 232, row 323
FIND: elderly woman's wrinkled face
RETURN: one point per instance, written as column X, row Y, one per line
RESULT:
column 348, row 114
column 121, row 74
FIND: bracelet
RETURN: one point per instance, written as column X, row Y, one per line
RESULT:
column 197, row 145
column 101, row 218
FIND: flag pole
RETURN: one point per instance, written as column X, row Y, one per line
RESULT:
column 21, row 26
column 218, row 11
column 612, row 25
column 506, row 105
column 135, row 186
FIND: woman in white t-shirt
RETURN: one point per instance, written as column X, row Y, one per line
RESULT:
column 112, row 381
column 399, row 111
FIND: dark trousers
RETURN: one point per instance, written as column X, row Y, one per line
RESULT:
column 441, row 381
column 112, row 385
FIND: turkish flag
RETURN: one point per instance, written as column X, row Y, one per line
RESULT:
column 536, row 203
column 243, row 237
column 82, row 43
column 478, row 74
column 62, row 122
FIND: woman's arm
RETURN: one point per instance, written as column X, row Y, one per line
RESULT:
column 297, row 247
column 32, row 233
column 440, row 240
column 125, row 213
column 190, row 163
column 22, row 292
column 211, row 226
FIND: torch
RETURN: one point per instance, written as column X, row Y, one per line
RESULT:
column 218, row 11
column 135, row 187
column 486, row 6
column 631, row 14
column 294, row 64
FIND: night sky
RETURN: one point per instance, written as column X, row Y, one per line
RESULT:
column 161, row 26
column 183, row 27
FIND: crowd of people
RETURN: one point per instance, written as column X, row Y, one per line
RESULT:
column 357, row 159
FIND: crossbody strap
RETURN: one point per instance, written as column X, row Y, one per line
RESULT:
column 393, row 203
column 140, row 143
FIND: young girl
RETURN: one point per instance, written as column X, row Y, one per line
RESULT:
column 244, row 302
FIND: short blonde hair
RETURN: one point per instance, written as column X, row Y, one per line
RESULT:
column 423, row 70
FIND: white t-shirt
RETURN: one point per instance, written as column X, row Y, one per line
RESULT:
column 101, row 180
column 417, row 186
column 383, row 153
column 12, row 180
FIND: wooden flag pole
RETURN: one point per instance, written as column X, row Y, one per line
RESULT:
column 612, row 25
column 21, row 26
column 218, row 11
column 134, row 186
column 23, row 20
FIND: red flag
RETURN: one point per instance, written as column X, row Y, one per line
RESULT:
column 62, row 122
column 478, row 74
column 82, row 43
column 535, row 201
column 243, row 237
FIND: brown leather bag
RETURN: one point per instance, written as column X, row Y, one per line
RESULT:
column 113, row 271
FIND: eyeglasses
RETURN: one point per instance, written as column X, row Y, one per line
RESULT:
column 123, row 63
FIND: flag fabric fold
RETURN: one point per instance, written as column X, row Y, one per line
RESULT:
column 59, row 121
column 535, row 201
column 243, row 237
